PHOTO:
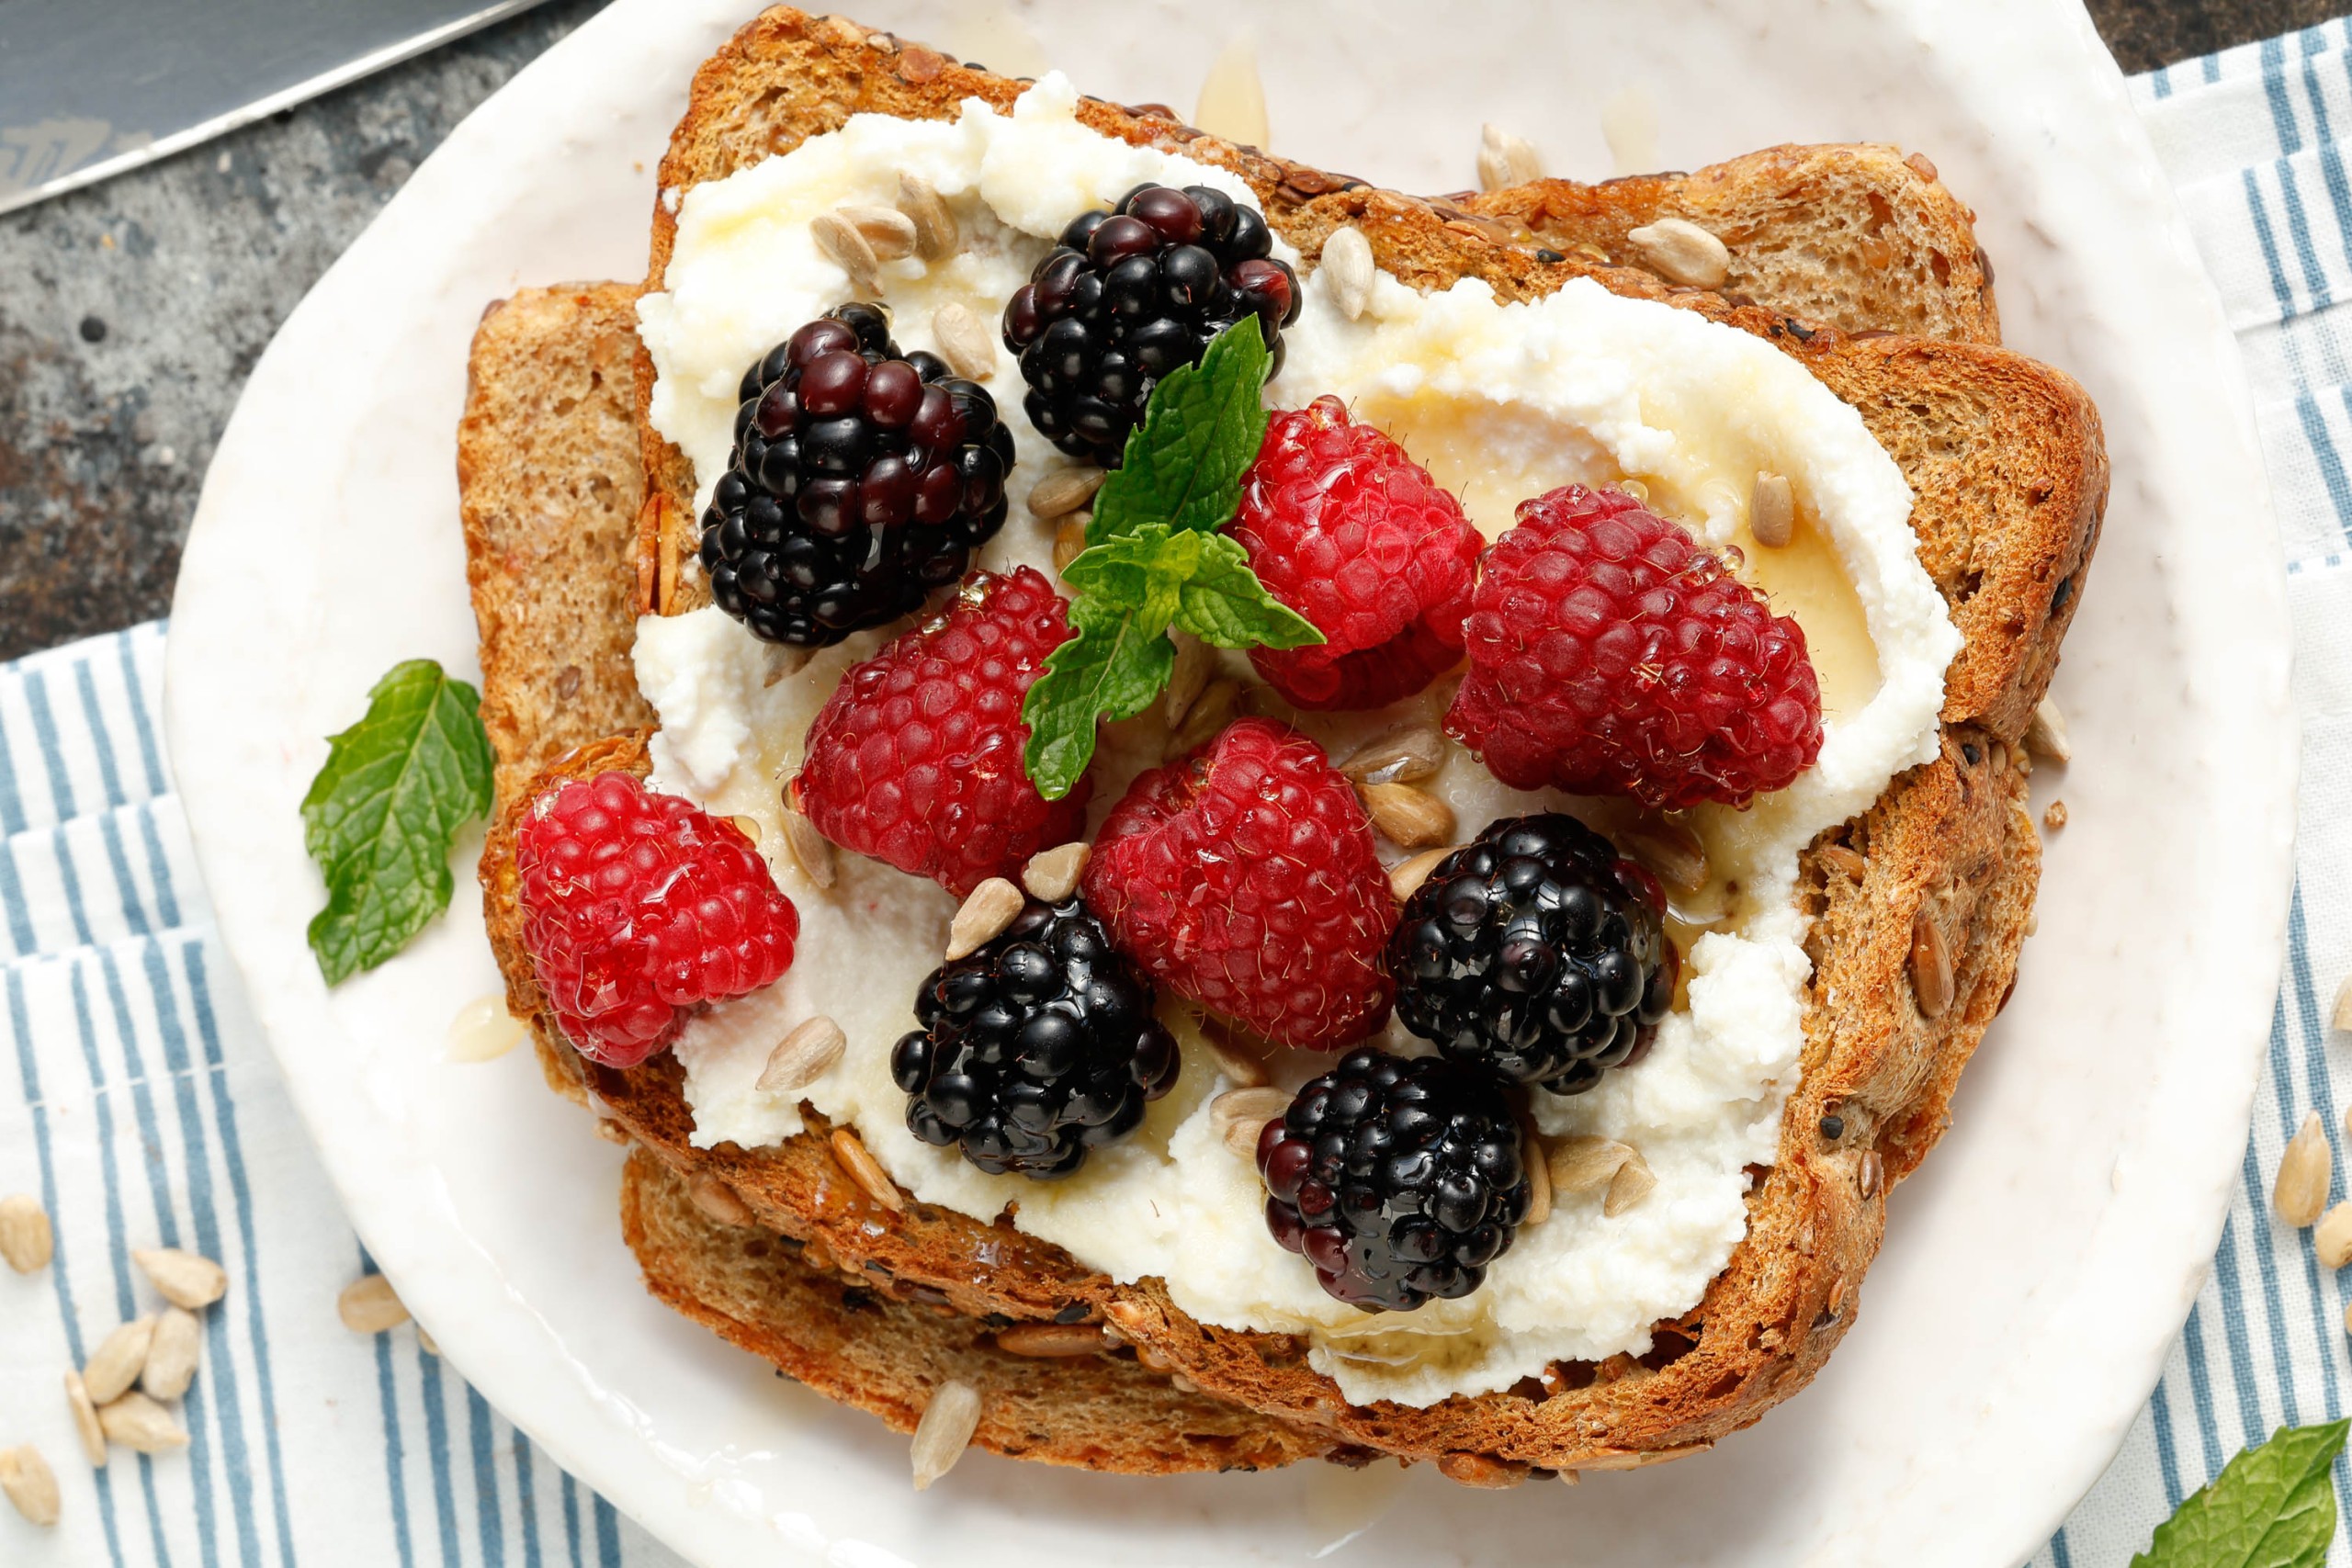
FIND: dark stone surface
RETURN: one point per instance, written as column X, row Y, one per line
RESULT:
column 131, row 312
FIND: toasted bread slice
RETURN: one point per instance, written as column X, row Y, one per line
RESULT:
column 2008, row 512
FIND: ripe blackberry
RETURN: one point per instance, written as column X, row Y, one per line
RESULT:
column 1036, row 1048
column 1537, row 951
column 1398, row 1178
column 861, row 479
column 1127, row 297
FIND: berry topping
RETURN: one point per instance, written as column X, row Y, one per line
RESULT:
column 1036, row 1048
column 915, row 758
column 1400, row 1179
column 1243, row 878
column 1129, row 296
column 637, row 907
column 1537, row 951
column 860, row 480
column 1346, row 529
column 1609, row 654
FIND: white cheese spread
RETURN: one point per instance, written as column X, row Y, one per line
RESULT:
column 1500, row 402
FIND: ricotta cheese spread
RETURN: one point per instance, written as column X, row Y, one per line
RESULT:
column 1501, row 401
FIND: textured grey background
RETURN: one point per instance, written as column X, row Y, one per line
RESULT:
column 130, row 312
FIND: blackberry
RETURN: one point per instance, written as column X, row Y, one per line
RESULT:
column 861, row 479
column 1036, row 1048
column 1398, row 1178
column 1538, row 951
column 1131, row 294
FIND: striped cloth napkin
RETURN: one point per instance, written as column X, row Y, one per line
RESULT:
column 139, row 1104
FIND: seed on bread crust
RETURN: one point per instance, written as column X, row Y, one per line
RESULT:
column 936, row 233
column 983, row 918
column 85, row 1420
column 1064, row 491
column 1479, row 1470
column 1922, row 165
column 1347, row 259
column 1407, row 817
column 1871, row 1173
column 2299, row 1192
column 1506, row 160
column 26, row 1238
column 866, row 1171
column 805, row 1054
column 1680, row 251
column 718, row 1202
column 370, row 1305
column 1772, row 510
column 963, row 341
column 848, row 249
column 1846, row 861
column 1931, row 966
column 1046, row 1340
column 1052, row 874
column 945, row 1431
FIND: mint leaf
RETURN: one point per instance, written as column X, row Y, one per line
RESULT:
column 1222, row 601
column 1112, row 669
column 2272, row 1506
column 379, row 817
column 1202, row 431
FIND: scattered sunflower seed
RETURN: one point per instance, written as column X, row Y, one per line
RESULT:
column 1069, row 540
column 1239, row 1115
column 114, row 1365
column 963, row 341
column 1407, row 817
column 1670, row 850
column 944, row 1431
column 811, row 850
column 1405, row 876
column 1053, row 1340
column 1187, row 677
column 848, row 249
column 2300, row 1193
column 936, row 235
column 1241, row 1067
column 172, row 1354
column 1214, row 709
column 866, row 1171
column 1680, row 251
column 1052, row 874
column 1538, row 1166
column 85, row 1420
column 718, row 1202
column 1407, row 754
column 370, row 1305
column 1064, row 491
column 805, row 1054
column 2046, row 735
column 2333, row 1237
column 1772, row 510
column 426, row 1343
column 889, row 232
column 30, row 1484
column 1633, row 1182
column 1506, row 160
column 25, row 1239
column 990, row 908
column 2340, row 1016
column 1347, row 258
column 1586, row 1162
column 138, row 1423
column 1931, row 966
column 184, row 1278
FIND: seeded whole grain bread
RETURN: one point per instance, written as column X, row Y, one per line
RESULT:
column 2005, row 460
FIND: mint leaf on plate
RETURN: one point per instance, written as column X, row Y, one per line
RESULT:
column 381, row 815
column 2272, row 1506
column 1199, row 434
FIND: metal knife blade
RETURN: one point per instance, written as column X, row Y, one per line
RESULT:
column 89, row 88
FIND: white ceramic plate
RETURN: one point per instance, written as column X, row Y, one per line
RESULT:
column 2033, row 1274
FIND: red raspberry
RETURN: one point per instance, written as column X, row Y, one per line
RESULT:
column 637, row 905
column 1244, row 877
column 915, row 758
column 1609, row 654
column 1346, row 529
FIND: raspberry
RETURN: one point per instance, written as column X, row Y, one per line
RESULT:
column 1034, row 1049
column 915, row 758
column 1537, row 951
column 860, row 480
column 1609, row 654
column 1400, row 1179
column 1346, row 529
column 637, row 907
column 1244, row 877
column 1129, row 296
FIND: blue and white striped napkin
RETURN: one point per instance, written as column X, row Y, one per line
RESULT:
column 138, row 1101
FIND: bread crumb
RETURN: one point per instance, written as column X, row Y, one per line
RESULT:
column 2056, row 816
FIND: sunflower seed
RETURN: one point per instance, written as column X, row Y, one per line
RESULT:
column 990, row 908
column 1069, row 541
column 25, row 1239
column 30, row 1484
column 848, row 249
column 1922, row 165
column 1407, row 754
column 888, row 232
column 1538, row 1166
column 1052, row 874
column 1405, row 876
column 1846, row 862
column 426, row 1343
column 1187, row 677
column 2046, row 734
column 1633, row 1182
column 1586, row 1162
column 2340, row 1016
column 1680, row 251
column 2334, row 1237
column 1053, row 1340
column 1506, row 160
column 866, row 1171
column 1931, row 966
column 1206, row 718
column 1479, row 1470
column 1772, row 510
column 963, row 341
column 114, row 1365
column 936, row 235
column 85, row 1420
column 718, row 1202
column 370, row 1305
column 1836, row 1296
column 1670, row 850
column 944, row 1431
column 1239, row 1115
column 1872, row 1175
column 138, row 1423
column 172, row 1354
column 613, row 1132
column 811, row 850
column 2300, row 1193
column 1232, row 103
column 805, row 1054
column 1233, row 1059
column 1064, row 491
column 184, row 1278
column 1407, row 817
column 1347, row 258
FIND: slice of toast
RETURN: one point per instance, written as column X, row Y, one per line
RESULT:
column 2008, row 508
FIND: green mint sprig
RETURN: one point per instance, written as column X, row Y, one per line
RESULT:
column 2272, row 1506
column 381, row 814
column 1154, row 559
